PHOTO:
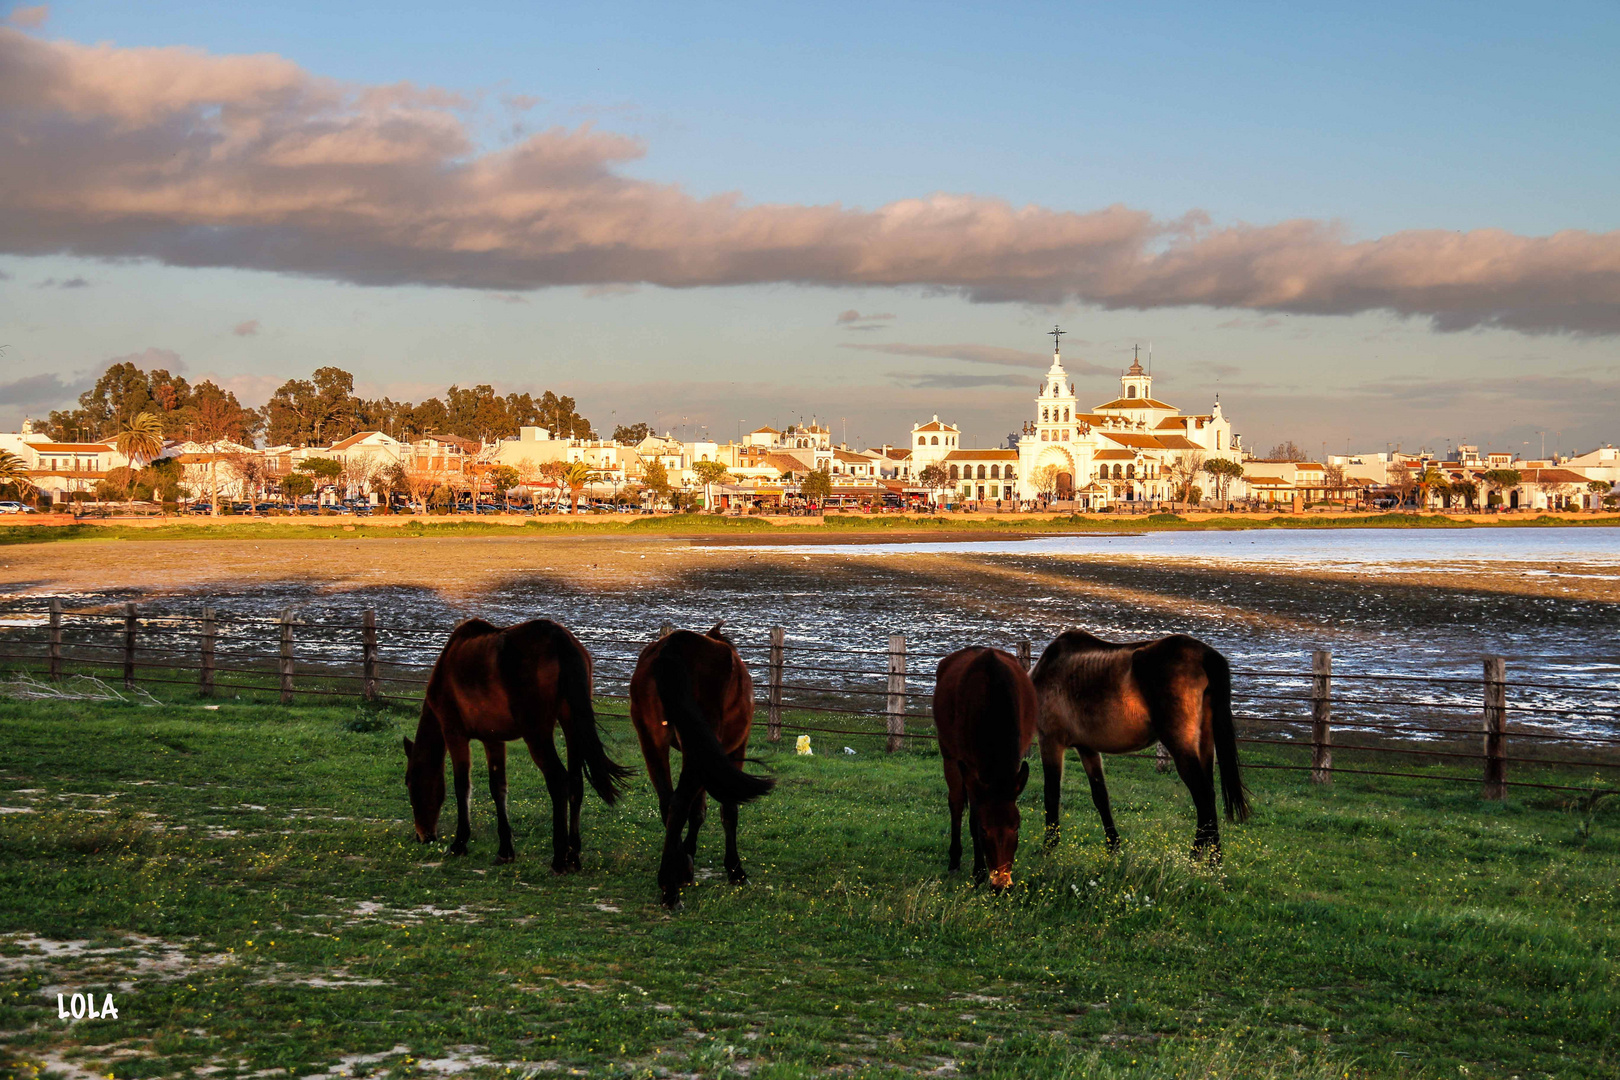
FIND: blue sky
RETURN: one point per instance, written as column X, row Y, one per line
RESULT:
column 1376, row 118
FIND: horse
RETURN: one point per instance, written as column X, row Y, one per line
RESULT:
column 1104, row 697
column 693, row 691
column 984, row 714
column 496, row 685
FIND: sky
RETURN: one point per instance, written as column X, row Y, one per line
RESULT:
column 1382, row 225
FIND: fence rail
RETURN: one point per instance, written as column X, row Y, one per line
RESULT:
column 288, row 658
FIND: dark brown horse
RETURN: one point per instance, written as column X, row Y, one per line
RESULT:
column 984, row 712
column 1103, row 697
column 693, row 692
column 496, row 685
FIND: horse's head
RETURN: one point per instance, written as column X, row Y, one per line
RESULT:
column 998, row 822
column 424, row 781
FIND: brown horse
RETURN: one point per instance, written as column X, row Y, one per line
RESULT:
column 984, row 712
column 1103, row 697
column 693, row 692
column 497, row 685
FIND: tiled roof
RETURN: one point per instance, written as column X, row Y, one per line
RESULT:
column 1178, row 442
column 982, row 455
column 934, row 425
column 357, row 437
column 1136, row 403
column 1114, row 455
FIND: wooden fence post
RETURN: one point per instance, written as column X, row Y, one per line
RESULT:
column 1161, row 759
column 287, row 656
column 129, row 646
column 773, row 693
column 1495, row 720
column 54, row 646
column 666, row 629
column 368, row 655
column 1321, row 717
column 210, row 632
column 897, row 691
column 1023, row 654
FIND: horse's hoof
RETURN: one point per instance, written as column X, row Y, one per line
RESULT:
column 739, row 876
column 457, row 848
column 1051, row 839
column 673, row 904
column 690, row 876
column 502, row 860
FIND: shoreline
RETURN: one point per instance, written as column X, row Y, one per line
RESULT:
column 716, row 531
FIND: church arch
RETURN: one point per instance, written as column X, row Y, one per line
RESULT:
column 1130, row 472
column 936, row 440
column 954, row 475
column 995, row 472
column 1130, row 391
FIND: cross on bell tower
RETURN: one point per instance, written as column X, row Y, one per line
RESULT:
column 1056, row 334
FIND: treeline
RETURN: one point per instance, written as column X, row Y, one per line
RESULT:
column 316, row 411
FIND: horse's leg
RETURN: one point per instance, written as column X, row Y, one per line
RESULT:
column 461, row 769
column 544, row 753
column 674, row 868
column 1092, row 762
column 495, row 754
column 734, row 867
column 1197, row 771
column 980, row 872
column 694, row 821
column 1052, row 752
column 956, row 792
column 576, row 795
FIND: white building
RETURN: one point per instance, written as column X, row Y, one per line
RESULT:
column 1123, row 450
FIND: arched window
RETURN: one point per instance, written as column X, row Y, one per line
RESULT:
column 1119, row 474
column 936, row 440
column 922, row 440
column 1218, row 440
column 995, row 472
column 981, row 472
column 1130, row 472
column 1130, row 391
column 1044, row 414
column 954, row 475
column 1065, row 416
column 1009, row 474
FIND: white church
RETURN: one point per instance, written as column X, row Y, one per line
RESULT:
column 1120, row 451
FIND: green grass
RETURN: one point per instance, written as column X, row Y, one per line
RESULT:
column 338, row 528
column 250, row 873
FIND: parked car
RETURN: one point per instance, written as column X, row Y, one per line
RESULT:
column 11, row 506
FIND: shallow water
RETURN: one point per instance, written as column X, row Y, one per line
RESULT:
column 1326, row 549
column 839, row 603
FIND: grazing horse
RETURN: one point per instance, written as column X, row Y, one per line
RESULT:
column 692, row 691
column 496, row 685
column 984, row 712
column 1104, row 697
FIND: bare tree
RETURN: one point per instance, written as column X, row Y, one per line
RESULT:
column 1183, row 472
column 1402, row 480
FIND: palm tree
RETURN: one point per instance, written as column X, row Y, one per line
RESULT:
column 140, row 439
column 14, row 471
column 576, row 476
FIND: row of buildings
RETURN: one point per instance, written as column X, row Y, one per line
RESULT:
column 1133, row 449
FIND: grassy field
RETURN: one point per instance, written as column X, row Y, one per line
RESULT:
column 244, row 882
column 699, row 525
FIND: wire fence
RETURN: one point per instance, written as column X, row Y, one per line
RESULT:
column 1563, row 729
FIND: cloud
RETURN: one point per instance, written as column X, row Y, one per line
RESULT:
column 983, row 354
column 70, row 283
column 508, row 297
column 249, row 161
column 39, row 390
column 249, row 328
column 29, row 18
column 597, row 292
column 853, row 316
column 933, row 380
column 1218, row 370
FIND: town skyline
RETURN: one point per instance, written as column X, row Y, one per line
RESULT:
column 1341, row 280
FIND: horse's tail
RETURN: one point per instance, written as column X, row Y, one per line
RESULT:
column 574, row 687
column 718, row 774
column 1219, row 693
